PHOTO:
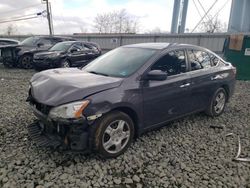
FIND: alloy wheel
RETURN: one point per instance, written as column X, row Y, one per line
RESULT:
column 65, row 64
column 219, row 102
column 116, row 136
column 27, row 62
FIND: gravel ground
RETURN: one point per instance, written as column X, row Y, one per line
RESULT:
column 186, row 153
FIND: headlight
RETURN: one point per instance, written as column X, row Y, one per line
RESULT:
column 70, row 110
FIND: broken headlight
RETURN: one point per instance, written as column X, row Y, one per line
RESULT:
column 68, row 111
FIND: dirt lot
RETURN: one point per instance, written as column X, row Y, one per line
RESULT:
column 186, row 153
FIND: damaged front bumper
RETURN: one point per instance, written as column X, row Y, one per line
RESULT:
column 66, row 133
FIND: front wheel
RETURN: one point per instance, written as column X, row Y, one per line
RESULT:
column 218, row 103
column 65, row 64
column 114, row 134
column 26, row 61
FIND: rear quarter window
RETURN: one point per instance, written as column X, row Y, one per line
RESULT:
column 216, row 61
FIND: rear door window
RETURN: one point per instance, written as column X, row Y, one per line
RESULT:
column 77, row 47
column 199, row 59
column 86, row 47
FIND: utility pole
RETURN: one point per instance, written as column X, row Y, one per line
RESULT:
column 51, row 20
column 179, row 16
column 175, row 17
column 48, row 8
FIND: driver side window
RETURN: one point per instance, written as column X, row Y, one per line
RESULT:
column 172, row 63
column 45, row 42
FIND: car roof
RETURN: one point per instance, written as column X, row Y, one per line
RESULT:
column 53, row 37
column 157, row 46
column 73, row 42
column 68, row 42
column 6, row 39
column 162, row 46
column 60, row 37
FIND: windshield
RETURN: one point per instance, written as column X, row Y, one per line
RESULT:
column 62, row 46
column 31, row 41
column 121, row 62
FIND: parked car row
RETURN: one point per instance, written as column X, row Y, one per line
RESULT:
column 43, row 52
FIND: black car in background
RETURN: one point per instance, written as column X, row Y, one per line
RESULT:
column 67, row 54
column 21, row 55
column 125, row 92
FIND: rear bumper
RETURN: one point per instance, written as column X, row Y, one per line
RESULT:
column 68, row 134
column 231, row 88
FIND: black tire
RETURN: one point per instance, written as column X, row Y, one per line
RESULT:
column 26, row 61
column 213, row 110
column 101, row 136
column 65, row 64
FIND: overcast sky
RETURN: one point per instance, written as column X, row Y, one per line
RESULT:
column 74, row 16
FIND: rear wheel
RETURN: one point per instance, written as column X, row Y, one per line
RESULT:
column 218, row 103
column 26, row 61
column 114, row 134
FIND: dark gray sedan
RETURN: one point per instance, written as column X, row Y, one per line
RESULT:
column 126, row 92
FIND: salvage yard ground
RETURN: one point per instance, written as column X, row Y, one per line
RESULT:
column 186, row 153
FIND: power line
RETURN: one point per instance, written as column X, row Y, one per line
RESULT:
column 204, row 16
column 223, row 6
column 203, row 9
column 197, row 8
column 17, row 17
column 20, row 19
column 17, row 10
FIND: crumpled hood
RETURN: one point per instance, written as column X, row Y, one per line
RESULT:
column 59, row 86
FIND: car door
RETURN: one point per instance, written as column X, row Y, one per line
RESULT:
column 167, row 99
column 92, row 51
column 87, row 55
column 202, row 75
column 76, row 54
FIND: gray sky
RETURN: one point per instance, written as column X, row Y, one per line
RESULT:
column 71, row 16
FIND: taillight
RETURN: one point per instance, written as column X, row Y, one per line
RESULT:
column 234, row 71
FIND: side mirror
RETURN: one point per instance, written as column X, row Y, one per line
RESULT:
column 40, row 45
column 73, row 50
column 156, row 75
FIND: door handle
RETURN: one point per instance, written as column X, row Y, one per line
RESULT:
column 216, row 77
column 184, row 85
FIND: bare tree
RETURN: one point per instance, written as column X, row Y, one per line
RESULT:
column 116, row 22
column 213, row 25
column 11, row 30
